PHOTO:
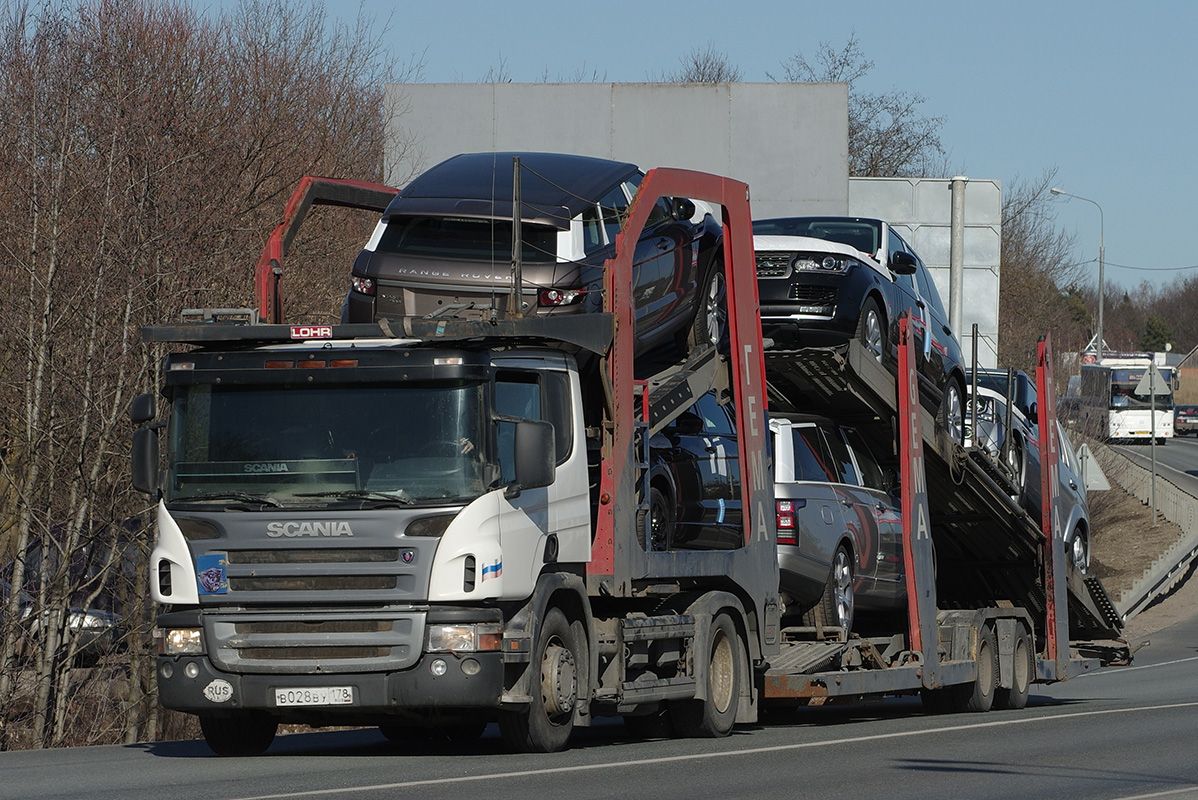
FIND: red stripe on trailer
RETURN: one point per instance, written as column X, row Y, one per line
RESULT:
column 1056, row 601
column 917, row 534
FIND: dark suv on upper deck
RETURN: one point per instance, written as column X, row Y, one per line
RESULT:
column 444, row 247
column 825, row 280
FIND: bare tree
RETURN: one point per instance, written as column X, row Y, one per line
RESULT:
column 888, row 135
column 145, row 153
column 1039, row 280
column 703, row 65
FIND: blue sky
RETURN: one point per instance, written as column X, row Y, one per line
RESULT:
column 1103, row 92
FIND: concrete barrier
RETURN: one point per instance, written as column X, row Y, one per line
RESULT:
column 1172, row 503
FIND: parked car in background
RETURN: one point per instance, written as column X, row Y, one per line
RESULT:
column 96, row 632
column 1185, row 420
column 444, row 247
column 826, row 280
column 839, row 523
column 1022, row 455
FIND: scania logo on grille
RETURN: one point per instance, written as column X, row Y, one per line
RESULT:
column 407, row 555
column 293, row 529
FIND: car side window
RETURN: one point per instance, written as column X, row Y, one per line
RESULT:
column 813, row 462
column 872, row 476
column 592, row 230
column 613, row 208
column 927, row 288
column 716, row 418
column 841, row 458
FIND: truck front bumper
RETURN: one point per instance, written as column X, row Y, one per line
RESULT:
column 468, row 680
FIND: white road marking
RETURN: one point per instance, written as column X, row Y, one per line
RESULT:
column 744, row 752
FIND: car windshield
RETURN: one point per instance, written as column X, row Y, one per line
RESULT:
column 488, row 240
column 861, row 234
column 316, row 445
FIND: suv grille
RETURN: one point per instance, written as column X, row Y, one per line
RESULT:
column 773, row 265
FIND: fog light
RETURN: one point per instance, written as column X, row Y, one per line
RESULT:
column 438, row 667
column 192, row 669
column 168, row 669
column 471, row 667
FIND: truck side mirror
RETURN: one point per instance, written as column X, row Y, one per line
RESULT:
column 143, row 408
column 144, row 457
column 535, row 454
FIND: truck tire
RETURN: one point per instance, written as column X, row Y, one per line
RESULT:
column 979, row 695
column 715, row 716
column 247, row 733
column 545, row 724
column 1024, row 668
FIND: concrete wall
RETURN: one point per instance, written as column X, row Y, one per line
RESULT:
column 920, row 209
column 788, row 141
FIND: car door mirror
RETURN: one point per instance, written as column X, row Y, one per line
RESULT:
column 903, row 263
column 688, row 423
column 682, row 208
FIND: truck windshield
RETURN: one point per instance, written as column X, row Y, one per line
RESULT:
column 313, row 445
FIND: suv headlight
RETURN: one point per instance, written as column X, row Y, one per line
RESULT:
column 822, row 262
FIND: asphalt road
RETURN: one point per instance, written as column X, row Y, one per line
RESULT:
column 1117, row 734
column 1176, row 461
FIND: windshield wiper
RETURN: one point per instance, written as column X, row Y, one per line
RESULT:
column 400, row 496
column 246, row 497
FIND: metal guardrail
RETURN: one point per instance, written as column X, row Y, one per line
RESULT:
column 1175, row 505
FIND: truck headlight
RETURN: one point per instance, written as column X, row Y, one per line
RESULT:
column 464, row 638
column 178, row 641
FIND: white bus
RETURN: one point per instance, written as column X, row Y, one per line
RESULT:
column 1114, row 410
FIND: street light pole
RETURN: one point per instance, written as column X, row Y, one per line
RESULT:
column 1101, row 258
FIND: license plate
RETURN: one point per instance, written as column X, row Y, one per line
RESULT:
column 315, row 696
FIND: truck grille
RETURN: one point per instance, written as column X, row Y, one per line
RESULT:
column 313, row 640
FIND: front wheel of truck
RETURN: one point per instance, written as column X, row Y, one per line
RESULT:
column 545, row 724
column 247, row 733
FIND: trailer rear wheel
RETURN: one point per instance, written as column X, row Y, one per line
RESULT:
column 979, row 695
column 244, row 734
column 545, row 724
column 715, row 716
column 1024, row 668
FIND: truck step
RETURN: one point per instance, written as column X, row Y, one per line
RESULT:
column 800, row 658
column 669, row 626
